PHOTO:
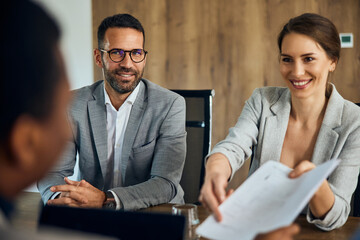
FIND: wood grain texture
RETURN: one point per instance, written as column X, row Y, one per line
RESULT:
column 229, row 46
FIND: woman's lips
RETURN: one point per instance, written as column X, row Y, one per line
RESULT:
column 299, row 84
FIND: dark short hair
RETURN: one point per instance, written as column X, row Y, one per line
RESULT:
column 319, row 28
column 119, row 21
column 29, row 65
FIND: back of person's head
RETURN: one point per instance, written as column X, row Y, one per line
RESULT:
column 34, row 95
column 119, row 21
column 29, row 65
column 319, row 28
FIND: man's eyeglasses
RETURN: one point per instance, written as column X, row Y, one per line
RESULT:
column 117, row 55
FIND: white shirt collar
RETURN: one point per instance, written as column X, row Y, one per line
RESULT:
column 130, row 99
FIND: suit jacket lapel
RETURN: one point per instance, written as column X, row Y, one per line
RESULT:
column 132, row 127
column 327, row 138
column 276, row 126
column 275, row 129
column 97, row 117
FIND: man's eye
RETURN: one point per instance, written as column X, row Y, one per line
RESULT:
column 137, row 52
column 117, row 52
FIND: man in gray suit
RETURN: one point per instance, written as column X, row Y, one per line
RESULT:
column 128, row 132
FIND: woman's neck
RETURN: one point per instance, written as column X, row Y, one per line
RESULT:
column 309, row 111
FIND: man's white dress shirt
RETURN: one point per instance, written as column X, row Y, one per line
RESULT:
column 116, row 122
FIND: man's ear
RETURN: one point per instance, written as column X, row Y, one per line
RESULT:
column 25, row 139
column 97, row 58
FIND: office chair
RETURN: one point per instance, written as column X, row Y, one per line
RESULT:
column 198, row 127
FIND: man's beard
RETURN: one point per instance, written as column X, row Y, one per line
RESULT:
column 110, row 77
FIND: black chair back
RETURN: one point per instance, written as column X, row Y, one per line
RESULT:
column 198, row 127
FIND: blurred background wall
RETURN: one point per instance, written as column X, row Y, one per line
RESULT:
column 226, row 45
column 229, row 46
column 75, row 21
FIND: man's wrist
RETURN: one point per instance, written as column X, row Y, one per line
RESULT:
column 109, row 201
column 55, row 195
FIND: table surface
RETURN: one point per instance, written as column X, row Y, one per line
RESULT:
column 308, row 231
column 28, row 206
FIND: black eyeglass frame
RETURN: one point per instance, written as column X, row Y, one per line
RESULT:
column 119, row 49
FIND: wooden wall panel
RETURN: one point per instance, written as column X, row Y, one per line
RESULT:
column 229, row 46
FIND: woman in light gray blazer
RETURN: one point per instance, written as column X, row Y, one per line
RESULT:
column 301, row 126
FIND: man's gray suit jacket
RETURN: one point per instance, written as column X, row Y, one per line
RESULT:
column 154, row 147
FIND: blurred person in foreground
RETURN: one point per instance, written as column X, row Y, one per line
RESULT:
column 34, row 96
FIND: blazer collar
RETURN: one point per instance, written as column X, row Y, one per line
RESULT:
column 97, row 117
column 275, row 127
column 328, row 136
column 282, row 104
column 334, row 110
column 133, row 125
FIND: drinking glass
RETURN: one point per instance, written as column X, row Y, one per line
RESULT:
column 191, row 216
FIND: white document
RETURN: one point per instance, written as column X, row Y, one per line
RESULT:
column 267, row 200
